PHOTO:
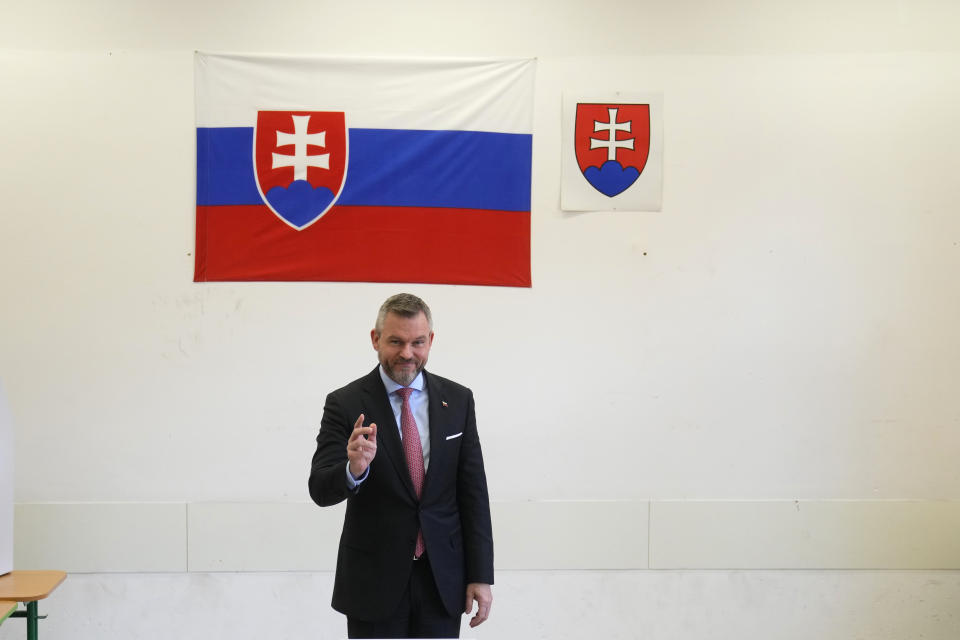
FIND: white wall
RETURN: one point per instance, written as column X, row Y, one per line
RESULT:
column 783, row 330
column 570, row 605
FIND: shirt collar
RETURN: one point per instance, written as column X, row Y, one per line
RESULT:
column 392, row 386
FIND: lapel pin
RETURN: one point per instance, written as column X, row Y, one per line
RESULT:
column 444, row 403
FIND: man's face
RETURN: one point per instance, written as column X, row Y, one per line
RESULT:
column 403, row 346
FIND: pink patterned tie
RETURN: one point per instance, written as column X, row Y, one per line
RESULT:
column 413, row 452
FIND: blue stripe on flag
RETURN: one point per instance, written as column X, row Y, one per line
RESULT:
column 225, row 167
column 388, row 167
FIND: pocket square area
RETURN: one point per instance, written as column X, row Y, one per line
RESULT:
column 456, row 435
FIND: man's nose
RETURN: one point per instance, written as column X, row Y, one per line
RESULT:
column 406, row 352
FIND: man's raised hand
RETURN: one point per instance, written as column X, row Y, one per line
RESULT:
column 361, row 447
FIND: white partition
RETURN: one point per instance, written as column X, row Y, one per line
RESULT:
column 6, row 485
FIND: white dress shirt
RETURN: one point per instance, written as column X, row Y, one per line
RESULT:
column 419, row 405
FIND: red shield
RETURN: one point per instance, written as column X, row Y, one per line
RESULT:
column 300, row 161
column 612, row 143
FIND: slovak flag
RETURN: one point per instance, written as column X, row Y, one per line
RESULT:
column 363, row 169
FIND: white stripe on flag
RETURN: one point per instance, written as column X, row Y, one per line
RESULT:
column 386, row 93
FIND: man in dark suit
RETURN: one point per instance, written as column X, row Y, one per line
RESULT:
column 417, row 548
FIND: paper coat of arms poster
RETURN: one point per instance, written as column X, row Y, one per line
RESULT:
column 612, row 152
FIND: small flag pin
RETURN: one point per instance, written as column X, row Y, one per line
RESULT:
column 444, row 403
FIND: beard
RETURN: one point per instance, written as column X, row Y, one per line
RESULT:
column 403, row 372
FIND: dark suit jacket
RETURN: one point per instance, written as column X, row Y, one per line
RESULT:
column 383, row 514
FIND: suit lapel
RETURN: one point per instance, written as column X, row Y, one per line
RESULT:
column 389, row 444
column 438, row 428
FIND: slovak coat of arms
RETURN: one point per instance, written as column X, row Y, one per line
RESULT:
column 613, row 152
column 300, row 161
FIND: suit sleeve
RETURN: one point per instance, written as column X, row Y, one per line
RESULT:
column 328, row 469
column 474, row 504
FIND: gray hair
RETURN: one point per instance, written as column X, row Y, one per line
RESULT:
column 405, row 305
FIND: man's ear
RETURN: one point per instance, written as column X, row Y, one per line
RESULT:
column 375, row 339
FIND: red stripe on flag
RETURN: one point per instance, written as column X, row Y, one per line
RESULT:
column 366, row 244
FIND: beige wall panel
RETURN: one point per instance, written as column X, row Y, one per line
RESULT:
column 570, row 534
column 263, row 536
column 805, row 535
column 99, row 537
column 527, row 535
